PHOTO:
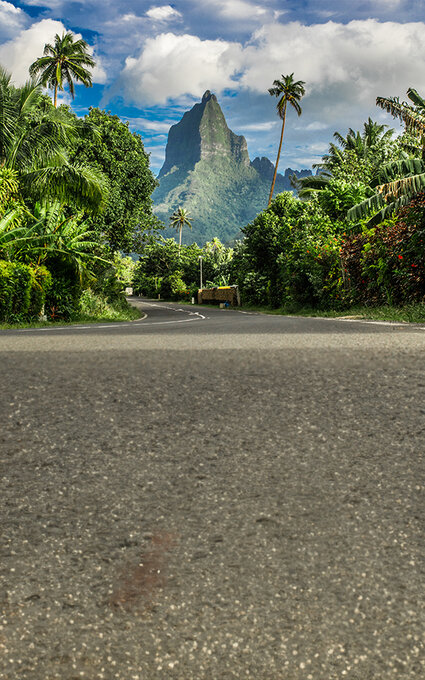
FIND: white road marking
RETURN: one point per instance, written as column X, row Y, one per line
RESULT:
column 194, row 316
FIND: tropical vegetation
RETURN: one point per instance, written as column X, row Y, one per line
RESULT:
column 75, row 197
column 330, row 248
column 64, row 61
column 62, row 211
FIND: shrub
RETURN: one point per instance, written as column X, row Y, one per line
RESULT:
column 146, row 285
column 173, row 287
column 291, row 256
column 41, row 282
column 63, row 298
column 386, row 264
column 16, row 281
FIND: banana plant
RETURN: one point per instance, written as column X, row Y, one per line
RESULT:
column 398, row 181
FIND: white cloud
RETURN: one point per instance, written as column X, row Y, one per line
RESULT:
column 239, row 9
column 364, row 58
column 163, row 13
column 12, row 19
column 315, row 126
column 260, row 127
column 51, row 4
column 18, row 54
column 174, row 65
column 154, row 125
column 344, row 66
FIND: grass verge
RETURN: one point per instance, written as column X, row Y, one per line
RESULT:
column 414, row 313
column 94, row 309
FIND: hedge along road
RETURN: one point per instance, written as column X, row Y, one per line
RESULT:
column 207, row 494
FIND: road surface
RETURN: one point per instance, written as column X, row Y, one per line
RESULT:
column 212, row 495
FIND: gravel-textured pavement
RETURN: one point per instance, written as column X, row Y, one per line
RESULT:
column 237, row 496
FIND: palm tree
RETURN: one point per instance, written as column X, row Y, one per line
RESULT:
column 63, row 61
column 398, row 181
column 178, row 220
column 35, row 152
column 289, row 91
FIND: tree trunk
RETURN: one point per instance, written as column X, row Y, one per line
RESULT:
column 180, row 238
column 56, row 96
column 278, row 156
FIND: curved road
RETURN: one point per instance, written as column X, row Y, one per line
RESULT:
column 208, row 494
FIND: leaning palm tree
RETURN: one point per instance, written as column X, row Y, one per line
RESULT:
column 290, row 91
column 398, row 181
column 65, row 60
column 178, row 220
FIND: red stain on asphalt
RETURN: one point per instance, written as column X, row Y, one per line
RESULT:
column 138, row 584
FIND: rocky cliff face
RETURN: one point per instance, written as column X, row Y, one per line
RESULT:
column 207, row 171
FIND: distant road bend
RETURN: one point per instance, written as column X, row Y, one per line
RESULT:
column 211, row 494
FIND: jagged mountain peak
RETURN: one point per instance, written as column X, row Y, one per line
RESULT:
column 209, row 95
column 207, row 171
column 202, row 133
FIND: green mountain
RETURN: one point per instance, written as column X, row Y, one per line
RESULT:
column 208, row 172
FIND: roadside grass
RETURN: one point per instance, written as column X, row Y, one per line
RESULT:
column 414, row 313
column 92, row 311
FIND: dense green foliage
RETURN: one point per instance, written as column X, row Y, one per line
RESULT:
column 61, row 214
column 386, row 263
column 121, row 157
column 22, row 290
column 166, row 270
column 290, row 256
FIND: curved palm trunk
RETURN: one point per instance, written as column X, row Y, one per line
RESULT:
column 55, row 103
column 278, row 156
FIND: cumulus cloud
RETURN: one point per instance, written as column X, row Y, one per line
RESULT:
column 173, row 65
column 155, row 126
column 260, row 127
column 353, row 62
column 12, row 19
column 239, row 9
column 18, row 54
column 163, row 13
column 341, row 64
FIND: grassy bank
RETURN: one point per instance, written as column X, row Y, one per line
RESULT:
column 94, row 309
column 414, row 313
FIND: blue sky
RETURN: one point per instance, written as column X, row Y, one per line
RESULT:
column 155, row 60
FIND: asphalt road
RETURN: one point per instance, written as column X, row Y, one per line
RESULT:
column 210, row 495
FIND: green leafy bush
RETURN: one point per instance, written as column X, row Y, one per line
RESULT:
column 163, row 269
column 63, row 298
column 291, row 256
column 146, row 285
column 386, row 264
column 16, row 282
column 173, row 287
column 40, row 285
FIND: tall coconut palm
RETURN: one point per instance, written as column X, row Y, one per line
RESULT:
column 178, row 220
column 287, row 90
column 65, row 60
